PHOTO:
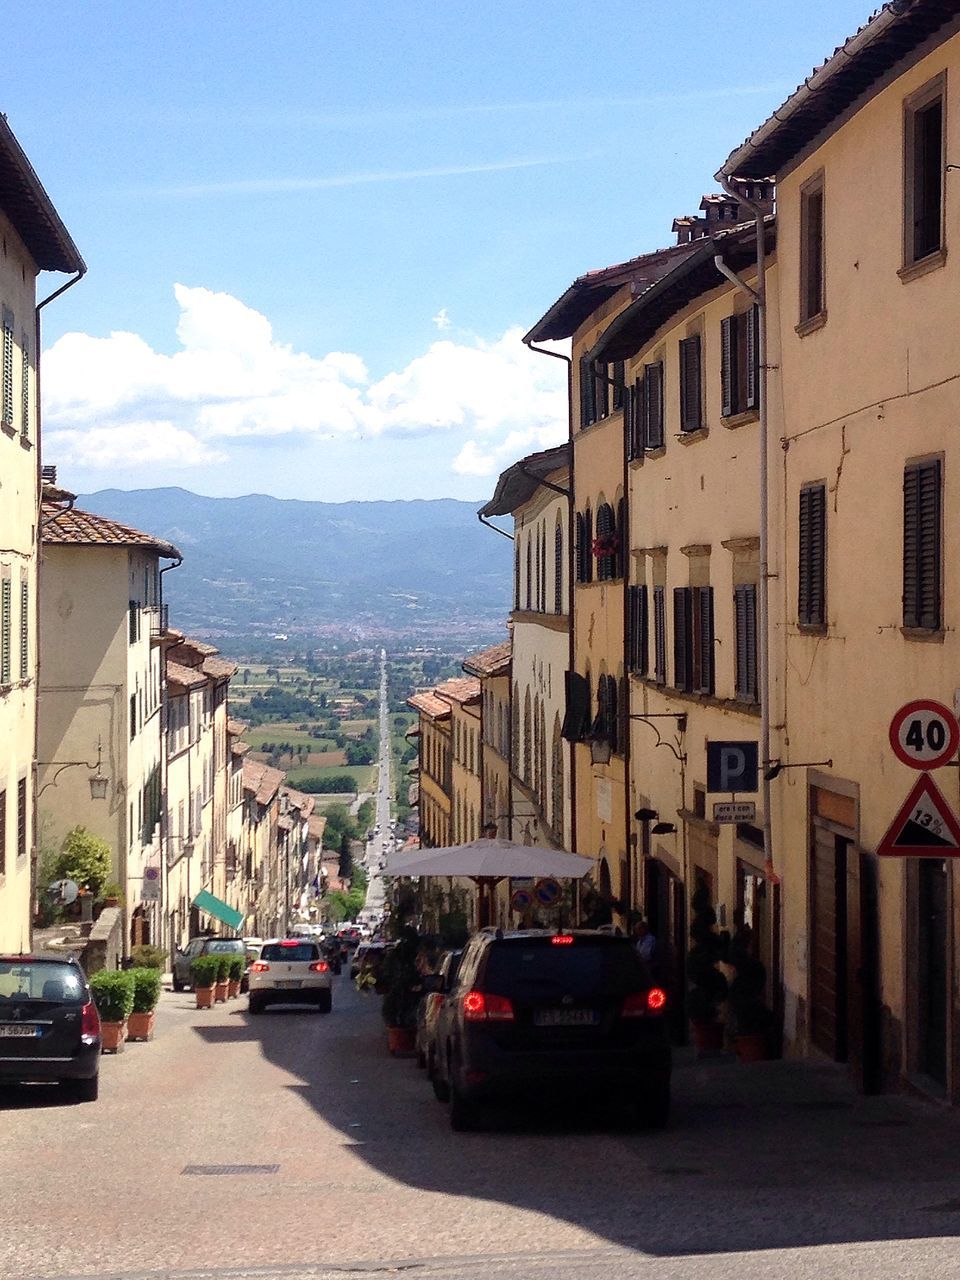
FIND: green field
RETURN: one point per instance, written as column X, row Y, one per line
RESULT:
column 365, row 774
column 279, row 732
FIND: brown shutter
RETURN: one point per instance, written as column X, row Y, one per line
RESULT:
column 5, row 630
column 653, row 405
column 751, row 330
column 705, row 639
column 621, row 532
column 745, row 611
column 587, row 396
column 637, row 419
column 628, row 411
column 587, row 546
column 643, row 648
column 682, row 638
column 618, row 385
column 558, row 569
column 728, row 366
column 691, row 414
column 659, row 635
column 928, row 536
column 811, row 578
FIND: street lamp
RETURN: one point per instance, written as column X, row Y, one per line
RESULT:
column 98, row 779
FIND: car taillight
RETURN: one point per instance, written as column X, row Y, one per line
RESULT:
column 289, row 942
column 259, row 966
column 562, row 940
column 640, row 1004
column 481, row 1006
column 89, row 1021
column 319, row 966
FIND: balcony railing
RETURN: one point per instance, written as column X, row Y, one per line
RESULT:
column 159, row 619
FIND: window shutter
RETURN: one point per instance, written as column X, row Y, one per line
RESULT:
column 643, row 646
column 528, row 591
column 24, row 631
column 682, row 638
column 576, row 720
column 620, row 570
column 728, row 365
column 660, row 635
column 705, row 639
column 745, row 609
column 558, row 569
column 618, row 385
column 606, row 565
column 578, row 547
column 601, row 390
column 628, row 410
column 653, row 405
column 751, row 327
column 5, row 594
column 691, row 414
column 24, row 387
column 911, row 565
column 811, row 593
column 7, row 410
column 588, row 545
column 929, row 544
column 587, row 407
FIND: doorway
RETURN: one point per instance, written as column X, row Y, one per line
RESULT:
column 932, row 920
column 666, row 911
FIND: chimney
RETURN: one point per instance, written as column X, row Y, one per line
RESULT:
column 48, row 475
column 688, row 228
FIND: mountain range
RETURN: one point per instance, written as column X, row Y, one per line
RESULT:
column 259, row 564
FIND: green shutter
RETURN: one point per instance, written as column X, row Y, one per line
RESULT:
column 5, row 593
column 25, row 388
column 7, row 413
column 24, row 631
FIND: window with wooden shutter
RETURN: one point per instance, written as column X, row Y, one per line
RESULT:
column 588, row 404
column 588, row 545
column 6, row 408
column 921, row 545
column 682, row 638
column 812, row 301
column 729, row 396
column 6, row 590
column 3, row 832
column 811, row 584
column 516, row 571
column 618, row 385
column 691, row 408
column 745, row 626
column 24, row 386
column 636, row 420
column 637, row 640
column 621, row 531
column 580, row 537
column 659, row 635
column 24, row 631
column 22, row 818
column 558, row 568
column 750, row 327
column 703, row 639
column 528, row 590
column 924, row 167
column 740, row 362
column 601, row 392
column 653, row 405
column 576, row 719
column 606, row 538
column 628, row 413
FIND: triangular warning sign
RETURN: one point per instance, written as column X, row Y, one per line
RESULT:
column 925, row 826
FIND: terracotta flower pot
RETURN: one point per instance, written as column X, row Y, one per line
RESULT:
column 233, row 988
column 221, row 991
column 707, row 1036
column 114, row 1034
column 205, row 996
column 752, row 1048
column 401, row 1041
column 140, row 1025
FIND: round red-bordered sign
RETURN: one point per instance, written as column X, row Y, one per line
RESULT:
column 924, row 734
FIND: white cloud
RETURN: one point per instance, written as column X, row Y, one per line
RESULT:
column 115, row 402
column 442, row 319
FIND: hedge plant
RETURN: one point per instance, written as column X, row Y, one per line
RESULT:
column 223, row 967
column 236, row 968
column 147, row 956
column 146, row 989
column 113, row 992
column 204, row 971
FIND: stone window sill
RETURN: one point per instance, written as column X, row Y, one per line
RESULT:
column 8, row 429
column 691, row 437
column 741, row 419
column 811, row 628
column 701, row 699
column 811, row 324
column 923, row 634
column 913, row 270
column 25, row 442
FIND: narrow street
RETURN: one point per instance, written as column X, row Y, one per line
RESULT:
column 334, row 1157
column 377, row 847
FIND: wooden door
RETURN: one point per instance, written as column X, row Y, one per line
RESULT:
column 828, row 942
column 932, row 922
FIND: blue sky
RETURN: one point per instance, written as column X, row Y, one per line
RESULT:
column 315, row 231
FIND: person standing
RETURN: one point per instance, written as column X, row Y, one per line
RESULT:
column 645, row 943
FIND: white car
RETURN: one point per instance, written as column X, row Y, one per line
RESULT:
column 290, row 971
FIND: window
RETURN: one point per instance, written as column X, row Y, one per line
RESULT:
column 691, row 400
column 24, row 387
column 24, row 630
column 6, row 588
column 6, row 409
column 529, row 587
column 811, row 250
column 585, row 546
column 621, row 566
column 693, row 639
column 745, row 627
column 606, row 723
column 133, row 716
column 652, row 405
column 739, row 362
column 516, row 573
column 134, row 608
column 606, row 546
column 682, row 638
column 921, row 545
column 588, row 393
column 576, row 720
column 558, row 568
column 924, row 162
column 22, row 818
column 811, row 593
column 659, row 635
column 618, row 385
column 638, row 640
column 3, row 832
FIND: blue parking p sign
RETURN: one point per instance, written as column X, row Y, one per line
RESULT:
column 732, row 766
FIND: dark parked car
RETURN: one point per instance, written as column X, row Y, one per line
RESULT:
column 207, row 945
column 438, row 986
column 49, row 1025
column 535, row 1015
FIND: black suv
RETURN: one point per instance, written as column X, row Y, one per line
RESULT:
column 536, row 1014
column 49, row 1025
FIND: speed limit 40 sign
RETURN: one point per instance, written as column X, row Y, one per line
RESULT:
column 924, row 734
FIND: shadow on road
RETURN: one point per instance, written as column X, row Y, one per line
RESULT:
column 760, row 1156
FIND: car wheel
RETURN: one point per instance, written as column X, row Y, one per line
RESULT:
column 177, row 984
column 325, row 1002
column 421, row 1059
column 255, row 1004
column 85, row 1090
column 244, row 986
column 653, row 1105
column 441, row 1090
column 463, row 1113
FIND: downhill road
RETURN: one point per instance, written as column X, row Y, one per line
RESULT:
column 377, row 847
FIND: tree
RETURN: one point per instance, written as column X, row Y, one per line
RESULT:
column 346, row 857
column 85, row 858
column 246, row 675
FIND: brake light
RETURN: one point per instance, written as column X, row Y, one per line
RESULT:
column 481, row 1006
column 259, row 966
column 89, row 1021
column 562, row 940
column 319, row 966
column 640, row 1004
column 289, row 942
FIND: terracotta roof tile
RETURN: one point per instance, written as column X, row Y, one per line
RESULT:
column 261, row 781
column 238, row 748
column 428, row 702
column 462, row 689
column 185, row 677
column 219, row 668
column 83, row 529
column 316, row 825
column 236, row 727
column 494, row 661
column 300, row 800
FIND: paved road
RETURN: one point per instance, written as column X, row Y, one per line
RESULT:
column 768, row 1171
column 377, row 848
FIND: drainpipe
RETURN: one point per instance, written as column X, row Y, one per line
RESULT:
column 759, row 295
column 571, row 593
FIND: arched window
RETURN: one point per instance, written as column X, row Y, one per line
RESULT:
column 556, row 799
column 543, row 567
column 529, row 585
column 580, row 536
column 606, row 545
column 527, row 739
column 622, row 538
column 514, row 753
column 558, row 567
column 542, row 759
column 605, row 725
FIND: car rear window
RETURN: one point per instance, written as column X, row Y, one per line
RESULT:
column 225, row 944
column 532, row 967
column 41, row 980
column 299, row 951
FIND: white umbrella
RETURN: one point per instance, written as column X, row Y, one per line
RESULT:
column 489, row 858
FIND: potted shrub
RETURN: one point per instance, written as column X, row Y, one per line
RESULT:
column 223, row 978
column 203, row 974
column 146, row 994
column 113, row 992
column 707, row 985
column 147, row 956
column 751, row 1019
column 235, row 976
column 402, row 993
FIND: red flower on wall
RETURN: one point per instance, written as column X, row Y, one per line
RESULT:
column 606, row 544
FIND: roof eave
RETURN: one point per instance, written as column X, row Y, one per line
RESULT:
column 46, row 224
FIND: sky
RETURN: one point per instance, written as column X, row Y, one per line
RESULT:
column 317, row 230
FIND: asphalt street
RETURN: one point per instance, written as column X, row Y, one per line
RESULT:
column 378, row 847
column 293, row 1145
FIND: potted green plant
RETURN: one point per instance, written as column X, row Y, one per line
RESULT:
column 223, row 978
column 402, row 993
column 113, row 993
column 707, row 985
column 203, row 974
column 146, row 994
column 146, row 956
column 235, row 976
column 751, row 1019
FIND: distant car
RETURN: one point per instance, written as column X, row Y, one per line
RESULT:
column 370, row 956
column 539, row 1014
column 440, row 984
column 290, row 971
column 253, row 948
column 203, row 946
column 49, row 1024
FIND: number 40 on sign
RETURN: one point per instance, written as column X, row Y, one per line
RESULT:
column 924, row 734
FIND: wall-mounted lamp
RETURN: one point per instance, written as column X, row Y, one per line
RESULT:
column 646, row 815
column 659, row 828
column 774, row 768
column 98, row 779
column 600, row 750
column 664, row 828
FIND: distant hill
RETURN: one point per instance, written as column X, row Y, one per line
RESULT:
column 259, row 563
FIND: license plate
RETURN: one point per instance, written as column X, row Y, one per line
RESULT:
column 565, row 1018
column 18, row 1029
column 290, row 982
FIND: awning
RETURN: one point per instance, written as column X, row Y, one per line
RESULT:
column 221, row 911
